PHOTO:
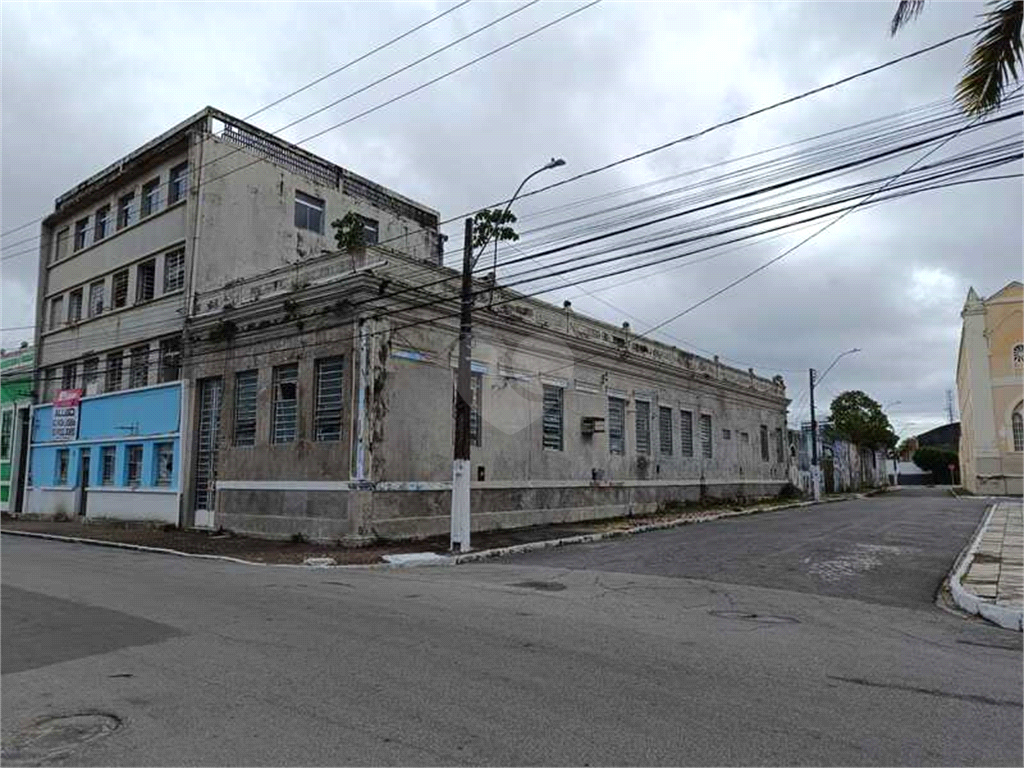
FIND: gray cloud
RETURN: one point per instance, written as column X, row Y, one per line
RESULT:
column 85, row 83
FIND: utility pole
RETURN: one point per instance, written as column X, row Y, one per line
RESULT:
column 815, row 484
column 463, row 403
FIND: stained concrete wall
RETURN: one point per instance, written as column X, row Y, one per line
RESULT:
column 247, row 225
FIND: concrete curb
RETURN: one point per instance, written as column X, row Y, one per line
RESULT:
column 1007, row 618
column 469, row 557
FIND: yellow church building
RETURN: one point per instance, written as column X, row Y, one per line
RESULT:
column 990, row 384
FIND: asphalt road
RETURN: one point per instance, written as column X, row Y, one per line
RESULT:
column 643, row 651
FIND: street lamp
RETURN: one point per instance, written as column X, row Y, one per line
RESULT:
column 815, row 480
column 463, row 401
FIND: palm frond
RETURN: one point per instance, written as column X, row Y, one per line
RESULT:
column 905, row 11
column 994, row 59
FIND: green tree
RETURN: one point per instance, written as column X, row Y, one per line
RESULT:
column 493, row 225
column 859, row 419
column 993, row 60
column 349, row 233
column 937, row 460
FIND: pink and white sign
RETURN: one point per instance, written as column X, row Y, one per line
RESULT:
column 65, row 415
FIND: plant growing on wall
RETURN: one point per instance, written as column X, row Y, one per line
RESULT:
column 349, row 233
column 859, row 419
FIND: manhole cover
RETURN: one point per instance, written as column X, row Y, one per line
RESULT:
column 54, row 737
column 541, row 586
column 760, row 618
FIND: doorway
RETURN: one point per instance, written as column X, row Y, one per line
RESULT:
column 83, row 485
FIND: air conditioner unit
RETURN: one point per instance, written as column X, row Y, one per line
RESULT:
column 592, row 425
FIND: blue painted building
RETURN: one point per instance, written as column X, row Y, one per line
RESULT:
column 124, row 462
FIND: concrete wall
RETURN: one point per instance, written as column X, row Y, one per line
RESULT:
column 133, row 504
column 400, row 403
column 247, row 219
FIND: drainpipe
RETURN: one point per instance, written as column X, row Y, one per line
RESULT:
column 361, row 403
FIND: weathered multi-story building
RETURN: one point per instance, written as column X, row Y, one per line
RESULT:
column 334, row 385
column 123, row 256
column 16, row 377
column 989, row 380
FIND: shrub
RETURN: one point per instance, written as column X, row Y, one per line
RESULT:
column 937, row 461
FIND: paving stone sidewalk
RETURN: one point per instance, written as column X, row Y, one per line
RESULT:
column 996, row 573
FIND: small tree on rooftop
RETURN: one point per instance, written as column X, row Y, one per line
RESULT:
column 349, row 233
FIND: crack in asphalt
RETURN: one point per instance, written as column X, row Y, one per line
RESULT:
column 977, row 698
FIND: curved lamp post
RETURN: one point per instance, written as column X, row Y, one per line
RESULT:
column 460, row 521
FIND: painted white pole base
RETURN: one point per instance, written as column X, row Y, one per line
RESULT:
column 460, row 505
column 816, row 482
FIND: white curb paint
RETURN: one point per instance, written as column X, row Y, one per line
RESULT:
column 416, row 558
column 423, row 560
column 1007, row 618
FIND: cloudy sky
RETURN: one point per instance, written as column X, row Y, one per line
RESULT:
column 84, row 83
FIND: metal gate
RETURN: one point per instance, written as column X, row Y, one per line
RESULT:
column 206, row 449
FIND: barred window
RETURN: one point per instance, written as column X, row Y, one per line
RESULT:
column 81, row 233
column 115, row 371
column 476, row 386
column 144, row 281
column 108, row 460
column 68, row 377
column 164, row 463
column 727, row 434
column 780, row 446
column 75, row 306
column 62, row 467
column 665, row 430
column 616, row 425
column 120, row 289
column 138, row 373
column 56, row 312
column 60, row 245
column 134, row 465
column 125, row 210
column 177, row 184
column 90, row 371
column 686, row 433
column 1017, row 422
column 102, row 224
column 150, row 198
column 96, row 296
column 329, row 400
column 174, row 270
column 643, row 426
column 245, row 407
column 6, row 430
column 170, row 359
column 285, row 404
column 706, row 436
column 553, row 418
column 764, row 443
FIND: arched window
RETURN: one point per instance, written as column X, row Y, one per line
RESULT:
column 1018, row 356
column 1017, row 422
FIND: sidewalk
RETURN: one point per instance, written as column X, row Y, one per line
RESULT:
column 990, row 580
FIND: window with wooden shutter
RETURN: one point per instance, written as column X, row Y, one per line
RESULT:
column 706, row 436
column 553, row 418
column 329, row 400
column 245, row 407
column 686, row 433
column 616, row 425
column 643, row 427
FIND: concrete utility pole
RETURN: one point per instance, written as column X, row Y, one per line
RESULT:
column 815, row 485
column 463, row 402
column 460, row 522
column 815, row 474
